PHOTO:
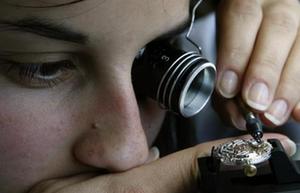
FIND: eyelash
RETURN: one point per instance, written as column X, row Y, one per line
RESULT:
column 39, row 75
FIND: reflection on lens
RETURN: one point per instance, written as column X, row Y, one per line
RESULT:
column 194, row 90
column 197, row 89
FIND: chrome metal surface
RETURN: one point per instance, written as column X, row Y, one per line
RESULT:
column 242, row 152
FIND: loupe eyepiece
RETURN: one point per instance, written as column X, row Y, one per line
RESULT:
column 179, row 81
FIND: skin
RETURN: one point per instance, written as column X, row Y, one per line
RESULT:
column 91, row 121
column 259, row 43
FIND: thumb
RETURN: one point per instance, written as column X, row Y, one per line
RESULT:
column 176, row 173
column 179, row 172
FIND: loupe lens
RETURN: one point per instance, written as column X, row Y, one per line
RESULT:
column 197, row 89
column 179, row 81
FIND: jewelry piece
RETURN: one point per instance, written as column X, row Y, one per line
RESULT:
column 245, row 153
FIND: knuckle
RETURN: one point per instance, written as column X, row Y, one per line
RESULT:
column 270, row 61
column 237, row 57
column 249, row 9
column 283, row 18
column 238, row 52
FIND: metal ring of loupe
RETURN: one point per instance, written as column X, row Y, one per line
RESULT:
column 179, row 81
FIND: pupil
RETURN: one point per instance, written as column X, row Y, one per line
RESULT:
column 49, row 69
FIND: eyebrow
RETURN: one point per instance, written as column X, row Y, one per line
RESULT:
column 45, row 28
column 47, row 6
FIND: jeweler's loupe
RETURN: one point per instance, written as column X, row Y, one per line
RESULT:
column 179, row 81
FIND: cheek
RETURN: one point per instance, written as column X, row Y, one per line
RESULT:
column 32, row 134
column 28, row 130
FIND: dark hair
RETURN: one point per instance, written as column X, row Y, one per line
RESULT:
column 46, row 6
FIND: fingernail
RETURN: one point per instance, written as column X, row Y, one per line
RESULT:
column 153, row 154
column 297, row 108
column 258, row 96
column 228, row 84
column 239, row 123
column 277, row 112
column 292, row 146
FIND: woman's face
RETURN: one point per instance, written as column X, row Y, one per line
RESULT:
column 67, row 104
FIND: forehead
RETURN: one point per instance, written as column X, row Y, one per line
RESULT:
column 61, row 8
column 103, row 18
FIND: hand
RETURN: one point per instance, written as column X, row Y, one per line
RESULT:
column 259, row 55
column 175, row 173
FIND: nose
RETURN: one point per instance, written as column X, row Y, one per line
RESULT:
column 116, row 140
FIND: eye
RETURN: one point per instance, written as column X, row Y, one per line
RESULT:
column 39, row 75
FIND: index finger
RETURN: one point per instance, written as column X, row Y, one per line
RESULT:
column 239, row 23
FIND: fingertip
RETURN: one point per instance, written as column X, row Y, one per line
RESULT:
column 296, row 112
column 278, row 112
column 239, row 123
column 228, row 84
column 278, row 136
column 272, row 119
column 237, row 119
column 257, row 96
column 266, row 122
column 289, row 146
column 154, row 155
